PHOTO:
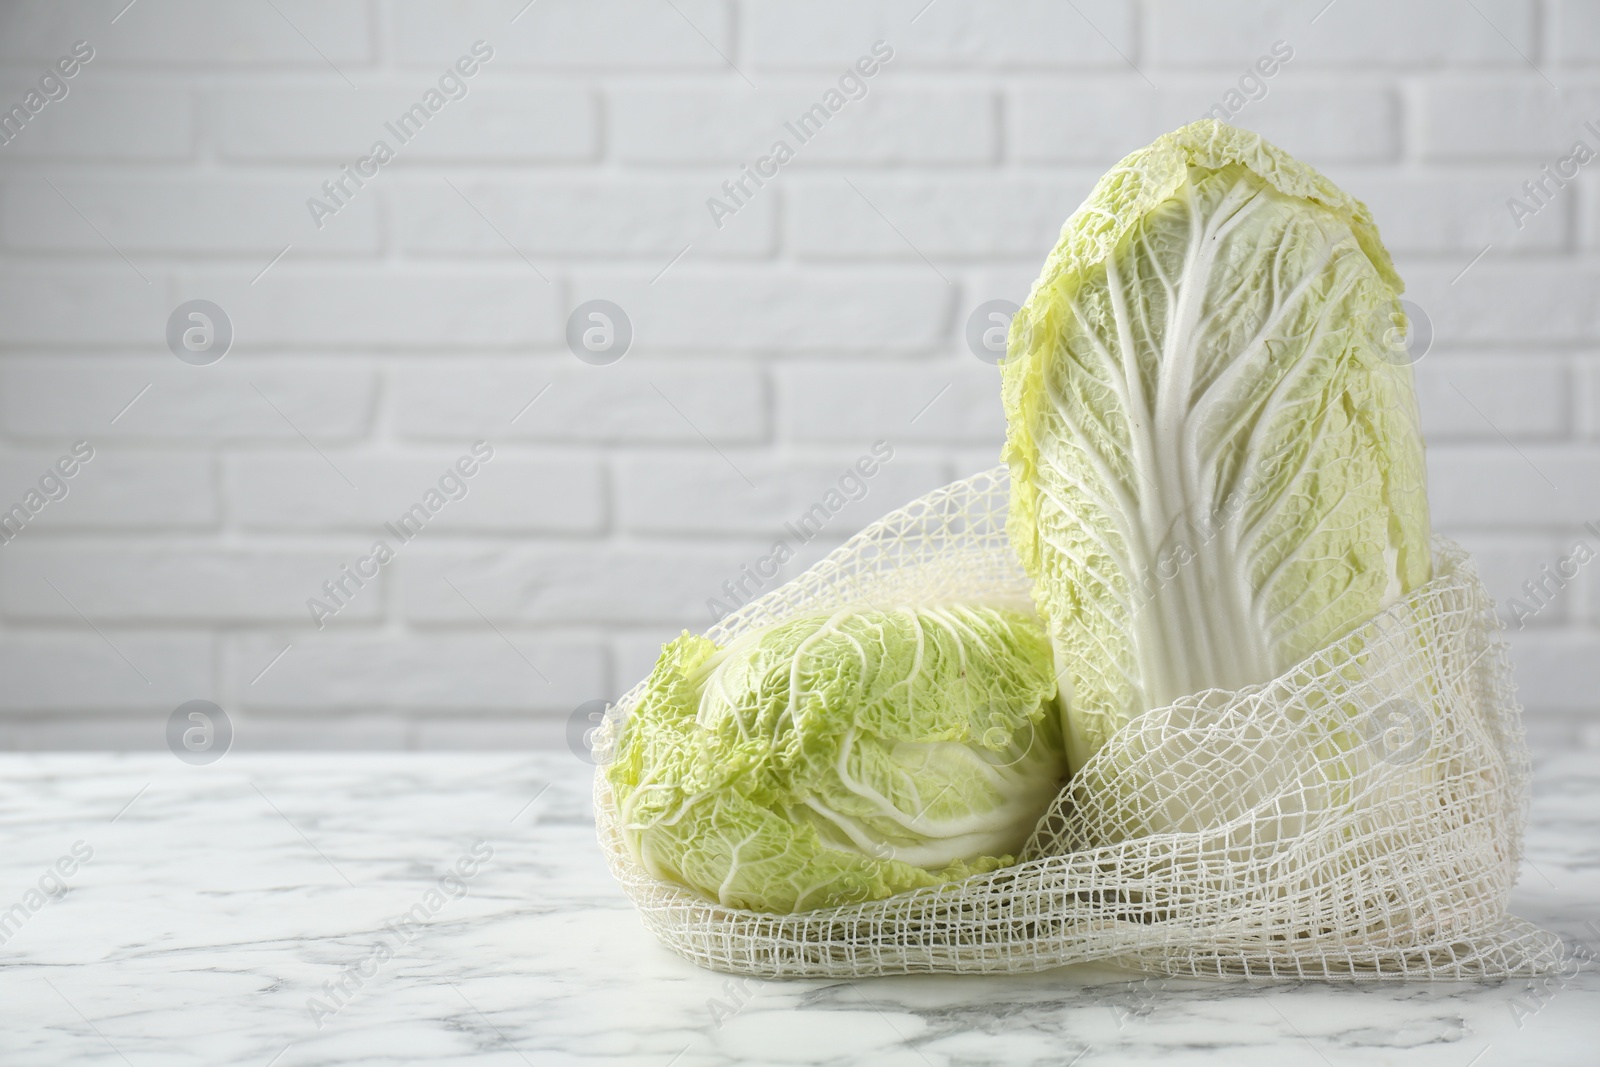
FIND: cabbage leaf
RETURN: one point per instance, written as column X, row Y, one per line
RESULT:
column 1215, row 455
column 839, row 759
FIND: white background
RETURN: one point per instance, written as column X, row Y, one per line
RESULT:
column 827, row 314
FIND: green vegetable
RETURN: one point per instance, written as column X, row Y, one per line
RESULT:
column 838, row 759
column 1215, row 456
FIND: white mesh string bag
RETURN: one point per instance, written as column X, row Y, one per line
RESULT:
column 1359, row 817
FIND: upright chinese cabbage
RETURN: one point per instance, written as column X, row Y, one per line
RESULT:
column 1214, row 447
column 839, row 759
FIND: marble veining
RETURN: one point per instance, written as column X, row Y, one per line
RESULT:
column 299, row 910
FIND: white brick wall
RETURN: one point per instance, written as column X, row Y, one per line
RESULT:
column 768, row 354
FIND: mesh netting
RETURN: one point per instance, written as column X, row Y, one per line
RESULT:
column 1360, row 817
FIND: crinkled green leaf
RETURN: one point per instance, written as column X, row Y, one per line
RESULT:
column 1215, row 456
column 839, row 759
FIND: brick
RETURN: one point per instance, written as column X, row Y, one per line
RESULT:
column 173, row 583
column 334, row 125
column 44, row 305
column 568, row 33
column 1048, row 122
column 519, row 732
column 1482, row 397
column 634, row 654
column 1507, row 562
column 634, row 401
column 1349, row 33
column 1366, row 125
column 75, row 670
column 294, row 306
column 1500, row 299
column 436, row 672
column 1589, row 397
column 951, row 33
column 1586, row 590
column 277, row 731
column 1585, row 205
column 68, row 731
column 284, row 493
column 965, row 462
column 1457, row 211
column 103, row 117
column 586, row 217
column 191, row 32
column 735, row 125
column 946, row 402
column 1574, row 32
column 1505, row 117
column 1011, row 282
column 230, row 400
column 1493, row 487
column 1557, row 733
column 118, row 490
column 1556, row 672
column 956, row 217
column 694, row 309
column 705, row 494
column 575, row 584
column 211, row 216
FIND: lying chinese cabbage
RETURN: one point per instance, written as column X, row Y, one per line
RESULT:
column 839, row 759
column 1213, row 440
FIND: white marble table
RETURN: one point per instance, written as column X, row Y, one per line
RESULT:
column 220, row 907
